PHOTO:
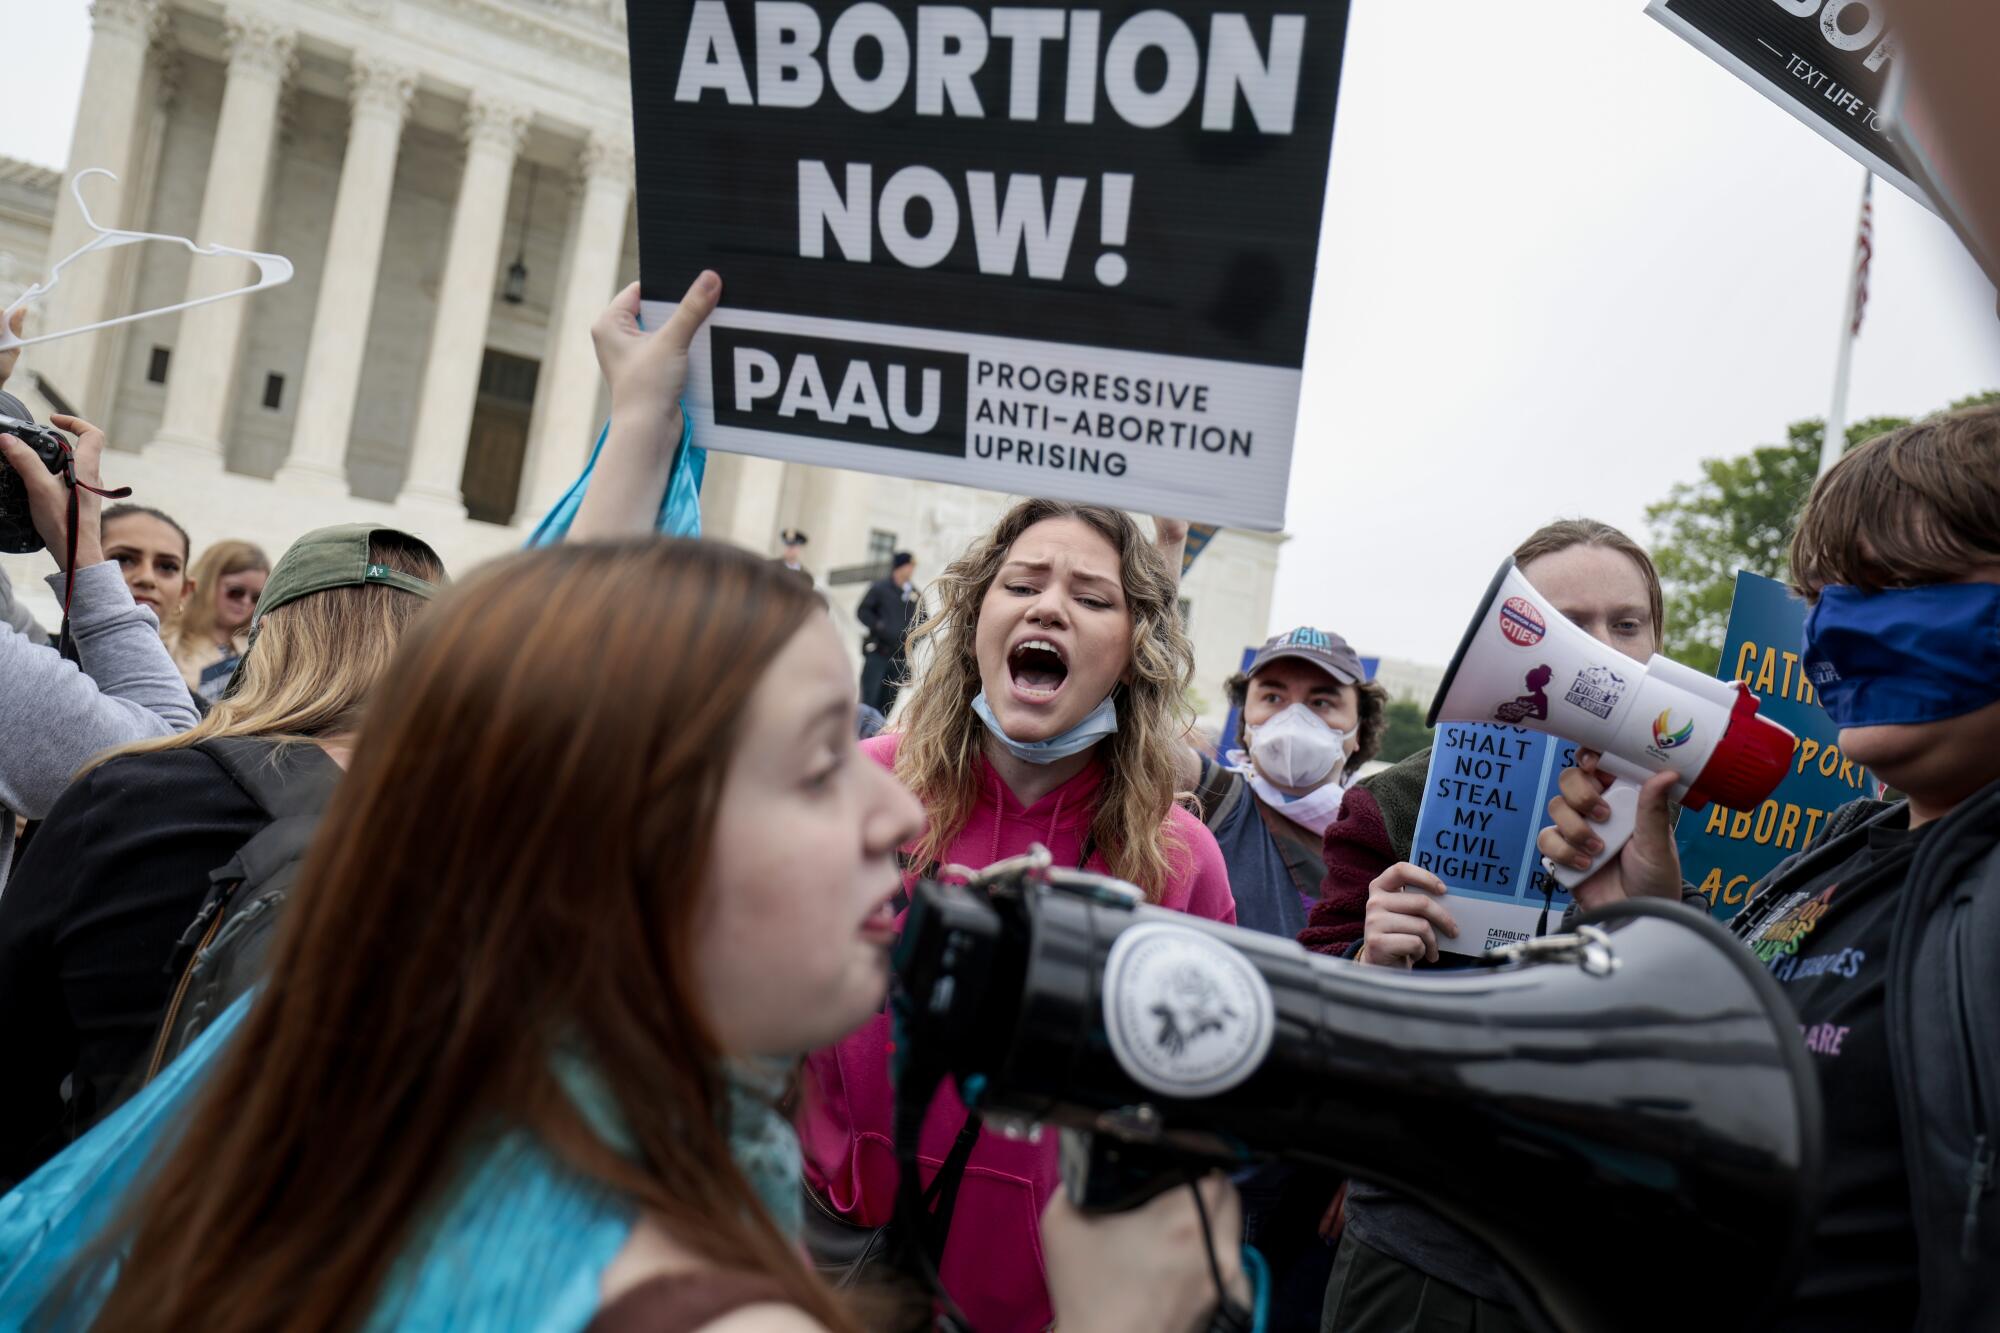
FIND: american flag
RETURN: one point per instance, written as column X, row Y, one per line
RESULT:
column 1864, row 251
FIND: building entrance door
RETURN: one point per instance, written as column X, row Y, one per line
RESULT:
column 499, row 442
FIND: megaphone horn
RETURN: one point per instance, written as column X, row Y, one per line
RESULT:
column 1640, row 1081
column 1523, row 664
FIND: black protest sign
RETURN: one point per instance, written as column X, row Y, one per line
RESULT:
column 1828, row 62
column 1026, row 247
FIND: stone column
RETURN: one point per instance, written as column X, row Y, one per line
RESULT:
column 493, row 133
column 107, row 134
column 381, row 96
column 203, row 374
column 829, row 510
column 126, row 265
column 569, row 379
column 743, row 507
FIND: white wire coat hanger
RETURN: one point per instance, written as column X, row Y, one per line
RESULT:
column 272, row 270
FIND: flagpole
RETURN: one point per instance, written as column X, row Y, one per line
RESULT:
column 1834, row 439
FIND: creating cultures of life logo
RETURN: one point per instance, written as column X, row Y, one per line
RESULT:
column 1186, row 1014
column 1665, row 736
column 1521, row 623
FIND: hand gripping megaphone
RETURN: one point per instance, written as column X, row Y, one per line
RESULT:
column 1523, row 664
column 1595, row 1106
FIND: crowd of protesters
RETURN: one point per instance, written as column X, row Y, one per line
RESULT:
column 389, row 950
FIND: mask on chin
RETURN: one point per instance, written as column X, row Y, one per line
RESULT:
column 1295, row 748
column 1100, row 722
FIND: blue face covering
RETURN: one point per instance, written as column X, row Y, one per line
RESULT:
column 1102, row 722
column 1904, row 655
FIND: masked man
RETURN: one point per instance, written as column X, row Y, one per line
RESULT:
column 1310, row 720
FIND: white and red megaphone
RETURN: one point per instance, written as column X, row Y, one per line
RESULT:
column 1523, row 664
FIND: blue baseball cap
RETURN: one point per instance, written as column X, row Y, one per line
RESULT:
column 1322, row 648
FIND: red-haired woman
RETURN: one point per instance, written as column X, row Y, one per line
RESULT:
column 566, row 924
column 1050, row 711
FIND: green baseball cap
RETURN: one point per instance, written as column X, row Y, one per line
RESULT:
column 335, row 557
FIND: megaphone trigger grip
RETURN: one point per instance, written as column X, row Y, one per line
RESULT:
column 1622, row 796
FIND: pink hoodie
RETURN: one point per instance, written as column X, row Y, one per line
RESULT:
column 993, row 1257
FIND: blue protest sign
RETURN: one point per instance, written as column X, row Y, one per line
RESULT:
column 1725, row 852
column 1486, row 796
column 1198, row 538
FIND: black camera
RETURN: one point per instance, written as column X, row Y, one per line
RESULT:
column 17, row 526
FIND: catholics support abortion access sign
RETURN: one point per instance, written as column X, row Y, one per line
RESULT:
column 1726, row 852
column 1025, row 247
column 1828, row 62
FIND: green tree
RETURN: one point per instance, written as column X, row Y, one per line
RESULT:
column 1740, row 515
column 1406, row 733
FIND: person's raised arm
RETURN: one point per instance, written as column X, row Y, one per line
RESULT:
column 15, row 615
column 1188, row 766
column 53, row 716
column 12, row 356
column 1170, row 540
column 647, row 370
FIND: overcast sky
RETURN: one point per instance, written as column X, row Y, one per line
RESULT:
column 1566, row 257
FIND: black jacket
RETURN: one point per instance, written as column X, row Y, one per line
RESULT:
column 887, row 616
column 88, row 925
column 1943, row 1000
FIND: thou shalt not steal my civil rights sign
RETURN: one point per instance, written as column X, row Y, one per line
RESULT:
column 1486, row 797
column 1031, row 248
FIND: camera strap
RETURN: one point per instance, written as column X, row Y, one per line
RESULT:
column 75, row 516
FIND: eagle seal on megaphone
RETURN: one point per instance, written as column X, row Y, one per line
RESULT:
column 1522, row 663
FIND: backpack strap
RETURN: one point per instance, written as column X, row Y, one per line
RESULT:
column 1218, row 793
column 291, row 784
column 284, row 778
column 1298, row 849
column 277, row 844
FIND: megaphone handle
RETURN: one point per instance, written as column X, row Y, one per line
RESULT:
column 1623, row 798
column 1105, row 1174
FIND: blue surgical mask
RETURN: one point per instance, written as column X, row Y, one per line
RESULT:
column 1904, row 655
column 1101, row 722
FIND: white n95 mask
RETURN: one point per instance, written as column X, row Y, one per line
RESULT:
column 1296, row 748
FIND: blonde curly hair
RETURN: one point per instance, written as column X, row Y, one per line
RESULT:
column 942, row 737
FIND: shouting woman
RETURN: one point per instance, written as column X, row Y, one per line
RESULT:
column 1050, row 712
